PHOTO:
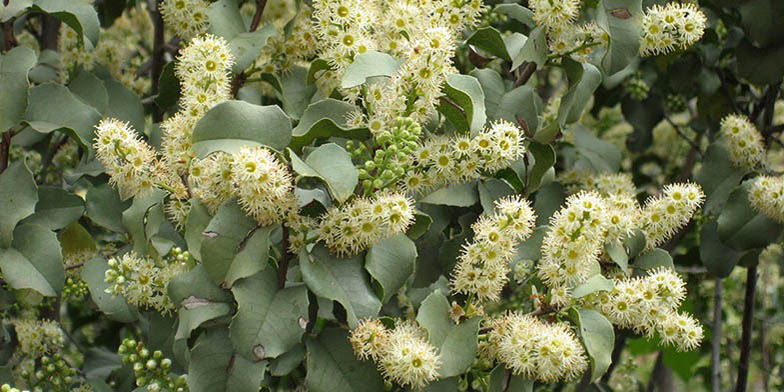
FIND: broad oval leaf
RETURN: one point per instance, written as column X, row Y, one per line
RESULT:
column 323, row 119
column 599, row 339
column 34, row 262
column 391, row 262
column 332, row 366
column 331, row 164
column 456, row 343
column 14, row 67
column 18, row 197
column 368, row 65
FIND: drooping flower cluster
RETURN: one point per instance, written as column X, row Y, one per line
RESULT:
column 403, row 354
column 674, row 26
column 650, row 304
column 38, row 337
column 263, row 185
column 534, row 349
column 743, row 141
column 142, row 281
column 565, row 37
column 357, row 225
column 449, row 160
column 572, row 245
column 186, row 18
column 766, row 195
column 481, row 271
column 421, row 33
column 663, row 215
column 151, row 369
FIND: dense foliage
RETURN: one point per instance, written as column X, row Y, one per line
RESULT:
column 391, row 195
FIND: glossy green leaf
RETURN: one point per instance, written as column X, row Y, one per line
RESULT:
column 105, row 208
column 114, row 307
column 196, row 312
column 225, row 19
column 124, row 105
column 342, row 280
column 323, row 119
column 456, row 343
column 331, row 164
column 617, row 254
column 717, row 257
column 233, row 124
column 195, row 224
column 368, row 65
column 269, row 321
column 601, row 155
column 332, row 366
column 489, row 39
column 717, row 176
column 653, row 259
column 246, row 47
column 18, row 197
column 391, row 262
column 34, row 261
column 56, row 208
column 80, row 16
column 599, row 339
column 622, row 20
column 463, row 103
column 534, row 50
column 460, row 195
column 196, row 285
column 593, row 285
column 234, row 246
column 517, row 12
column 215, row 367
column 90, row 89
column 14, row 67
column 584, row 79
column 137, row 219
column 292, row 90
column 741, row 227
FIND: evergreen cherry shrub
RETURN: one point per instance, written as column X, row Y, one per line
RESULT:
column 391, row 195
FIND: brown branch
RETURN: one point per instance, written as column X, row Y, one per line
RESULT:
column 716, row 340
column 156, row 67
column 748, row 323
column 50, row 32
column 525, row 74
column 283, row 266
column 5, row 147
column 254, row 24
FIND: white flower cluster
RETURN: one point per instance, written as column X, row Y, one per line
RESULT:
column 357, row 225
column 766, row 195
column 186, row 18
column 38, row 337
column 664, row 215
column 264, row 185
column 302, row 230
column 743, row 141
column 565, row 37
column 142, row 281
column 289, row 46
column 534, row 349
column 449, row 160
column 607, row 184
column 403, row 354
column 674, row 26
column 481, row 271
column 650, row 304
column 421, row 33
column 571, row 247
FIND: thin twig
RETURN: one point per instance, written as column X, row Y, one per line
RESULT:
column 5, row 147
column 526, row 72
column 683, row 135
column 716, row 340
column 156, row 67
column 283, row 266
column 254, row 24
column 748, row 323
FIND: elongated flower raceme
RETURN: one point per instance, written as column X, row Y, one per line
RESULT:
column 535, row 350
column 766, row 194
column 263, row 184
column 481, row 271
column 186, row 18
column 142, row 281
column 743, row 141
column 358, row 225
column 674, row 26
column 129, row 161
column 665, row 214
column 403, row 354
column 38, row 337
column 572, row 244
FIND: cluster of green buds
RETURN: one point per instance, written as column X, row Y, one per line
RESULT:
column 179, row 256
column 54, row 374
column 8, row 388
column 32, row 158
column 676, row 103
column 75, row 288
column 637, row 88
column 391, row 159
column 151, row 369
column 478, row 377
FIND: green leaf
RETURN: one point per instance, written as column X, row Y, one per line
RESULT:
column 137, row 219
column 463, row 103
column 53, row 107
column 105, row 208
column 492, row 190
column 18, row 197
column 622, row 20
column 80, row 16
column 603, row 156
column 228, row 234
column 114, row 307
column 233, row 124
column 599, row 339
column 516, row 105
column 124, row 105
column 13, row 8
column 456, row 343
column 75, row 238
column 534, row 50
column 531, row 249
column 198, row 220
column 246, row 47
column 287, row 362
column 34, row 262
column 292, row 90
column 100, row 363
column 332, row 366
column 269, row 321
column 196, row 312
column 544, row 159
column 460, row 195
column 369, row 65
column 342, row 280
column 196, row 284
column 518, row 13
column 215, row 367
column 515, row 383
column 717, row 176
column 90, row 89
column 56, row 208
column 323, row 119
column 653, row 259
column 760, row 65
column 584, row 79
column 316, row 66
column 168, row 88
column 391, row 262
column 617, row 254
column 635, row 243
column 717, row 257
column 225, row 19
column 489, row 39
column 331, row 164
column 594, row 284
column 14, row 67
column 741, row 227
